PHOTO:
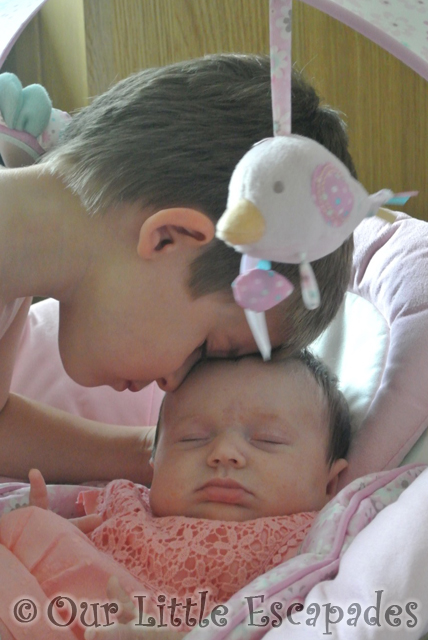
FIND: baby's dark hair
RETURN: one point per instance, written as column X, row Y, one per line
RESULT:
column 171, row 137
column 339, row 418
column 338, row 415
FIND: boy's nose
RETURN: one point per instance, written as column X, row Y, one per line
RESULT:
column 226, row 452
column 172, row 381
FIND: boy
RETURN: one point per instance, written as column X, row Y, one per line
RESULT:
column 246, row 451
column 144, row 288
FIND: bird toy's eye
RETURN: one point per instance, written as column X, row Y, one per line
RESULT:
column 278, row 186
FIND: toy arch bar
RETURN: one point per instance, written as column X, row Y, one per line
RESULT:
column 399, row 27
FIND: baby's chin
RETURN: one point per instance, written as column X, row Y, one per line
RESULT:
column 223, row 512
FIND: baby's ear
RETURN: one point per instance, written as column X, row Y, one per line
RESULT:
column 171, row 229
column 336, row 469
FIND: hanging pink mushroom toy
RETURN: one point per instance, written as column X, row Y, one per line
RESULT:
column 290, row 200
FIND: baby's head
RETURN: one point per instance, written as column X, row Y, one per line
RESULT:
column 246, row 439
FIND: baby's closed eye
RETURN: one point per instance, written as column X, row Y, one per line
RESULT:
column 197, row 436
column 267, row 444
column 269, row 438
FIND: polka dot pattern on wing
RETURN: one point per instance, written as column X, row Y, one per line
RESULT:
column 332, row 194
column 260, row 290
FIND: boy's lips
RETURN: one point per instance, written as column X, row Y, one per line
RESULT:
column 224, row 490
column 123, row 385
column 135, row 386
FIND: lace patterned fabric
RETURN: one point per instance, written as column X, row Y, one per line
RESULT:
column 178, row 556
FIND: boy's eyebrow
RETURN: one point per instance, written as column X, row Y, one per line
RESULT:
column 231, row 353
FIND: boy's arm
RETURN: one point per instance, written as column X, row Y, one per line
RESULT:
column 8, row 348
column 70, row 449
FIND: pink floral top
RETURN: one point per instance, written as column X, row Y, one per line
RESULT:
column 178, row 556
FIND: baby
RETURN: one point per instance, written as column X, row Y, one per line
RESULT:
column 245, row 439
column 245, row 451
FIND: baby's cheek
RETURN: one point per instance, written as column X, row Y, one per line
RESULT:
column 166, row 497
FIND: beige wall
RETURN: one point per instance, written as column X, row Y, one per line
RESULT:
column 52, row 52
column 77, row 48
column 386, row 103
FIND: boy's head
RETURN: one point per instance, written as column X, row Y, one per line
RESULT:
column 168, row 140
column 245, row 439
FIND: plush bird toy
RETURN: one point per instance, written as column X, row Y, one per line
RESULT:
column 290, row 200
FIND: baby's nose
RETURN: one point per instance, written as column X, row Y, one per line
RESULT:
column 228, row 453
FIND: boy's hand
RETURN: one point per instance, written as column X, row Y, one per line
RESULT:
column 39, row 498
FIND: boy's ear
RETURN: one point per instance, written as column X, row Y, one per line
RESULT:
column 333, row 477
column 170, row 229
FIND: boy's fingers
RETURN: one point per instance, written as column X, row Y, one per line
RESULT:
column 38, row 490
column 87, row 524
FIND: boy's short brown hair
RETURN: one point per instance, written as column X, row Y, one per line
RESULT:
column 172, row 136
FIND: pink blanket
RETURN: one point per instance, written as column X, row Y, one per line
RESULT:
column 43, row 556
column 67, row 563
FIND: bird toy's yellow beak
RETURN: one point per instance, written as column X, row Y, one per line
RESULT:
column 243, row 224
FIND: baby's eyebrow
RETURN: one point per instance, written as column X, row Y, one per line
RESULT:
column 268, row 416
column 190, row 420
column 269, row 419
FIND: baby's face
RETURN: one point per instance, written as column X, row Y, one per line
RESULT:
column 242, row 440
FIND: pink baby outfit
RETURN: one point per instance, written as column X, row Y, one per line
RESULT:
column 179, row 557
